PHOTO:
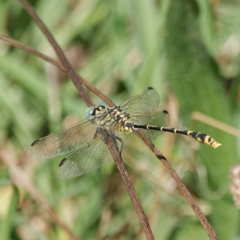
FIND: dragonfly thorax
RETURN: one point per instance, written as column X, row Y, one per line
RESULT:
column 111, row 119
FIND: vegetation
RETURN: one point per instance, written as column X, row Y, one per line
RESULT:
column 187, row 50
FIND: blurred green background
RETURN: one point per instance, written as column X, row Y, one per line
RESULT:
column 187, row 50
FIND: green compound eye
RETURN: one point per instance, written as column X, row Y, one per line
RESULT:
column 89, row 112
column 92, row 111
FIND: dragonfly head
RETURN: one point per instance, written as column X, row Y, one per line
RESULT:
column 91, row 112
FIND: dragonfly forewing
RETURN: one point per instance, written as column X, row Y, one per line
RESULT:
column 64, row 142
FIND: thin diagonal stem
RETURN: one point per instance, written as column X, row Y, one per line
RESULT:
column 62, row 58
column 212, row 235
column 131, row 191
column 29, row 49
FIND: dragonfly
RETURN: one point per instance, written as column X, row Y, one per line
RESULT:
column 85, row 143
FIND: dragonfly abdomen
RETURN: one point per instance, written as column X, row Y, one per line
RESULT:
column 200, row 137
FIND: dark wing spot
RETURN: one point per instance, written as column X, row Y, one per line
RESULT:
column 165, row 111
column 35, row 142
column 150, row 88
column 62, row 162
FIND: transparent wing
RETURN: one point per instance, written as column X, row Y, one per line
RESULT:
column 88, row 158
column 147, row 102
column 159, row 118
column 64, row 142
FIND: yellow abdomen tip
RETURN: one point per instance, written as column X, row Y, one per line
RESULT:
column 216, row 144
column 211, row 142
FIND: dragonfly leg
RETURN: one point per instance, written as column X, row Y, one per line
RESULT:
column 106, row 135
column 98, row 131
column 120, row 140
